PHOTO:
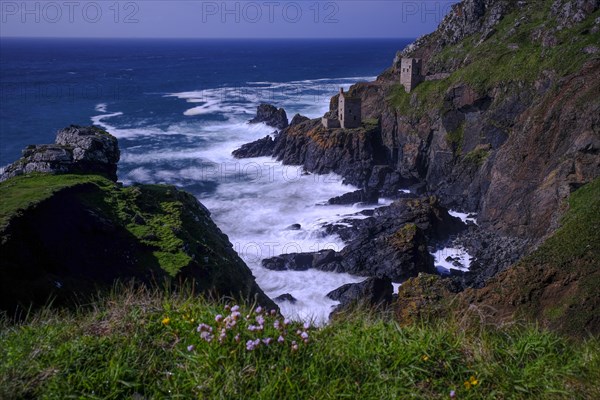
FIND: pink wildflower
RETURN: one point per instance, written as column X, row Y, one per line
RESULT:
column 304, row 336
column 206, row 336
column 204, row 328
column 280, row 339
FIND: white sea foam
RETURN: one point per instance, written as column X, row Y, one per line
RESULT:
column 464, row 217
column 256, row 216
column 309, row 97
column 458, row 254
column 256, row 200
column 101, row 107
column 99, row 120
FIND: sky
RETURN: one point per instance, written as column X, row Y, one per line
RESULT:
column 221, row 19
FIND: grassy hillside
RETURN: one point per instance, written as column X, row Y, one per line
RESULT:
column 65, row 235
column 139, row 344
column 515, row 53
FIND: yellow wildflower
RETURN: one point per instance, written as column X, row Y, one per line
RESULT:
column 425, row 357
column 166, row 321
column 471, row 382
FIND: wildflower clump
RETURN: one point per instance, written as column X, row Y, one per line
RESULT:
column 258, row 329
column 472, row 381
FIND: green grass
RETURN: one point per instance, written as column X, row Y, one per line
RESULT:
column 162, row 219
column 579, row 235
column 477, row 156
column 23, row 192
column 455, row 139
column 493, row 63
column 152, row 213
column 135, row 342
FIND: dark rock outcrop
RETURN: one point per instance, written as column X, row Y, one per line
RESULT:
column 367, row 196
column 374, row 291
column 298, row 119
column 393, row 243
column 423, row 297
column 299, row 261
column 259, row 148
column 286, row 297
column 270, row 115
column 77, row 150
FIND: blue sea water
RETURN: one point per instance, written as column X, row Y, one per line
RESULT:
column 47, row 84
column 179, row 107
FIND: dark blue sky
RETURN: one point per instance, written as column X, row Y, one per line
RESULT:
column 221, row 19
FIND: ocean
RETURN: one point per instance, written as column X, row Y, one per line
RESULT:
column 179, row 107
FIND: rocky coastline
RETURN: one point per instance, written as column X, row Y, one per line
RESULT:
column 509, row 148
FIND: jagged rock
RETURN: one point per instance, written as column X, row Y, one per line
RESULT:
column 298, row 119
column 492, row 253
column 466, row 18
column 511, row 150
column 421, row 297
column 270, row 115
column 374, row 291
column 286, row 297
column 369, row 196
column 321, row 150
column 259, row 148
column 299, row 261
column 571, row 12
column 77, row 149
column 392, row 243
column 396, row 256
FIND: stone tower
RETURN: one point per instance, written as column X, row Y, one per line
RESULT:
column 349, row 112
column 410, row 73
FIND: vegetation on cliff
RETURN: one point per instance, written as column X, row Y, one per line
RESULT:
column 558, row 283
column 530, row 40
column 64, row 235
column 142, row 344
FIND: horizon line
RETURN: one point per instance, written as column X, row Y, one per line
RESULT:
column 208, row 38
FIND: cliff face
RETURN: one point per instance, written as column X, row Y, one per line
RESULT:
column 65, row 235
column 507, row 123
